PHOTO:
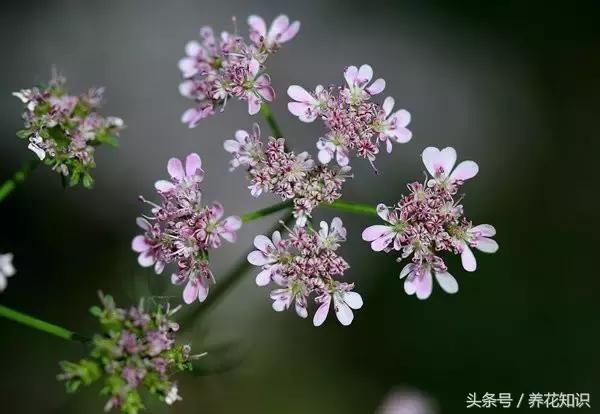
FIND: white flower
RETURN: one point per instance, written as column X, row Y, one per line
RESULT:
column 331, row 236
column 343, row 303
column 479, row 238
column 34, row 145
column 440, row 164
column 6, row 269
column 357, row 80
column 173, row 395
column 392, row 126
column 419, row 280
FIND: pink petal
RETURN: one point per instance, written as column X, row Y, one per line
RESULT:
column 383, row 242
column 202, row 292
column 434, row 159
column 486, row 245
column 267, row 93
column 263, row 243
column 143, row 223
column 193, row 164
column 365, row 74
column 322, row 311
column 145, row 259
column 257, row 258
column 192, row 48
column 139, row 244
column 230, row 236
column 447, row 282
column 350, row 75
column 232, row 223
column 388, row 105
column 375, row 232
column 325, row 156
column 186, row 88
column 401, row 117
column 190, row 293
column 290, row 33
column 383, row 211
column 232, row 146
column 486, row 230
column 401, row 135
column 257, row 24
column 164, row 186
column 468, row 258
column 424, row 285
column 465, row 170
column 279, row 25
column 159, row 267
column 263, row 278
column 298, row 93
column 376, row 87
column 406, row 270
column 410, row 286
column 175, row 168
column 253, row 105
column 217, row 209
column 187, row 66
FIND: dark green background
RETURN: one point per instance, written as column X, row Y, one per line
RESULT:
column 513, row 85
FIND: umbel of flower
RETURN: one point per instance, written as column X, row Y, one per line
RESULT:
column 64, row 130
column 181, row 230
column 135, row 350
column 355, row 124
column 304, row 265
column 429, row 221
column 218, row 68
column 271, row 168
column 6, row 269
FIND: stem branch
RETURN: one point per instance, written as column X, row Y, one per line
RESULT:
column 40, row 325
column 254, row 215
column 354, row 208
column 18, row 177
column 266, row 112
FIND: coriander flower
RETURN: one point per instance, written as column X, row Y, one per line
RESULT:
column 271, row 168
column 306, row 264
column 135, row 353
column 6, row 269
column 216, row 69
column 64, row 130
column 356, row 125
column 429, row 221
column 181, row 229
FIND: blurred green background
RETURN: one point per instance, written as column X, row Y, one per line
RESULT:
column 513, row 85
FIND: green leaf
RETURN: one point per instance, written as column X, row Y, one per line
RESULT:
column 105, row 137
column 88, row 181
column 24, row 133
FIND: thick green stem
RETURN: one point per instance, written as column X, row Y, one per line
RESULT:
column 354, row 208
column 18, row 177
column 266, row 112
column 254, row 215
column 40, row 325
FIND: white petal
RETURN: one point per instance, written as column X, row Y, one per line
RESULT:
column 257, row 258
column 465, row 170
column 298, row 93
column 353, row 299
column 376, row 87
column 424, row 285
column 321, row 313
column 388, row 105
column 263, row 243
column 342, row 311
column 383, row 211
column 447, row 282
column 468, row 258
column 406, row 270
column 486, row 245
column 263, row 278
column 365, row 73
column 486, row 230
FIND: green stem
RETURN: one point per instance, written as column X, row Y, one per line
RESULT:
column 354, row 208
column 40, row 325
column 18, row 177
column 254, row 215
column 266, row 112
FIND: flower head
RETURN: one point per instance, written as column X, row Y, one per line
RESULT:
column 272, row 168
column 131, row 356
column 64, row 130
column 428, row 221
column 217, row 69
column 355, row 124
column 306, row 264
column 181, row 229
column 6, row 269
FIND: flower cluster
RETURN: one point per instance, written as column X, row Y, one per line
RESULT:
column 355, row 124
column 303, row 264
column 216, row 69
column 63, row 130
column 181, row 229
column 6, row 269
column 135, row 349
column 430, row 220
column 272, row 168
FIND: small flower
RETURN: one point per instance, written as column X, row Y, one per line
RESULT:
column 181, row 229
column 357, row 80
column 132, row 358
column 343, row 303
column 382, row 236
column 6, row 269
column 303, row 265
column 392, row 126
column 246, row 148
column 429, row 221
column 479, row 238
column 307, row 107
column 439, row 164
column 281, row 31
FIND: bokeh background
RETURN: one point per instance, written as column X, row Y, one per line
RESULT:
column 513, row 85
